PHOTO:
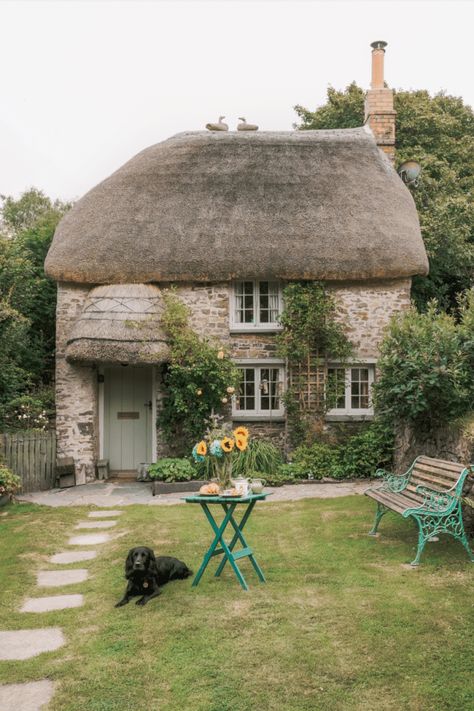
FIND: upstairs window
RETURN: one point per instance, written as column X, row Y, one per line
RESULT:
column 256, row 305
column 349, row 390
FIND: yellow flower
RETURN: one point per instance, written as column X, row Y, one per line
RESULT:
column 241, row 442
column 241, row 431
column 202, row 448
column 220, row 355
column 230, row 390
column 227, row 444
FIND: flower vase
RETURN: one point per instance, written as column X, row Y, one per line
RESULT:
column 223, row 472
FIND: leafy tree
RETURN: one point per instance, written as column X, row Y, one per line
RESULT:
column 438, row 132
column 27, row 296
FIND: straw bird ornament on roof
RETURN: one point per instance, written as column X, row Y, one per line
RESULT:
column 219, row 126
column 244, row 126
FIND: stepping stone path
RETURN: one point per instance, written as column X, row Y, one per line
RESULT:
column 96, row 524
column 91, row 539
column 26, row 697
column 73, row 557
column 57, row 578
column 56, row 602
column 23, row 644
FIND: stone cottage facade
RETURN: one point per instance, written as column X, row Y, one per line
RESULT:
column 228, row 219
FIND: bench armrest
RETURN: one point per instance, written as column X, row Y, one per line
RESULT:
column 434, row 501
column 393, row 482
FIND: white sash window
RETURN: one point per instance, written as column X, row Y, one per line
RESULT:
column 350, row 389
column 260, row 392
column 255, row 305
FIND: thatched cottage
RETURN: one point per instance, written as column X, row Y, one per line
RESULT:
column 228, row 218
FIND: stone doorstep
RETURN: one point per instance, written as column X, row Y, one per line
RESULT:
column 96, row 524
column 57, row 578
column 55, row 602
column 89, row 540
column 32, row 696
column 72, row 557
column 23, row 644
column 105, row 514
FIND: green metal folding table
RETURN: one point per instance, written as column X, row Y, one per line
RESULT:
column 229, row 504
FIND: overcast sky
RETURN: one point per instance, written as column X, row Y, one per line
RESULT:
column 86, row 85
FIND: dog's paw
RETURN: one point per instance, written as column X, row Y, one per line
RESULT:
column 121, row 603
column 141, row 601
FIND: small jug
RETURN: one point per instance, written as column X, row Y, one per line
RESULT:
column 256, row 485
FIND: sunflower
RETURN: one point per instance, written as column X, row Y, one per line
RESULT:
column 202, row 448
column 241, row 442
column 227, row 444
column 241, row 431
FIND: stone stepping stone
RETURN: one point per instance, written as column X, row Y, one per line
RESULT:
column 105, row 514
column 55, row 602
column 72, row 557
column 96, row 524
column 90, row 539
column 32, row 696
column 23, row 644
column 57, row 578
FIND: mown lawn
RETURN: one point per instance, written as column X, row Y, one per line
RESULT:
column 340, row 624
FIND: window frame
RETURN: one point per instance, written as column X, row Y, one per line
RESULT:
column 348, row 412
column 261, row 327
column 258, row 413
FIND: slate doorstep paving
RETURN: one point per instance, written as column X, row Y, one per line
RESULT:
column 57, row 578
column 96, row 524
column 72, row 557
column 55, row 602
column 90, row 539
column 23, row 644
column 105, row 514
column 32, row 696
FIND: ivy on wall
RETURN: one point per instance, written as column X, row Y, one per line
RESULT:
column 311, row 335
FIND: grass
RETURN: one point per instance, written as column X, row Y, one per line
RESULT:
column 340, row 624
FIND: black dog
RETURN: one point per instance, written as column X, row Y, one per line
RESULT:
column 146, row 574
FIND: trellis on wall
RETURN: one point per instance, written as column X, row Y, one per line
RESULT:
column 307, row 380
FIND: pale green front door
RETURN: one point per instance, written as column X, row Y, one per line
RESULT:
column 127, row 417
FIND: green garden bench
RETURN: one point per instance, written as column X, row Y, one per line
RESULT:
column 430, row 492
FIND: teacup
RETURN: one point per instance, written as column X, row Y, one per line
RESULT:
column 256, row 485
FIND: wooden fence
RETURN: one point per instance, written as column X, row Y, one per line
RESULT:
column 31, row 455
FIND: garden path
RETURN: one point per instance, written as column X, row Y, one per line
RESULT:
column 17, row 645
column 116, row 493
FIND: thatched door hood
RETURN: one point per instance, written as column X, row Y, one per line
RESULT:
column 218, row 206
column 119, row 323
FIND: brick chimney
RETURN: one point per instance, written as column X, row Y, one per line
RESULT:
column 379, row 113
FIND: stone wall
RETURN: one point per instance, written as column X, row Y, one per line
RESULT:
column 76, row 391
column 366, row 308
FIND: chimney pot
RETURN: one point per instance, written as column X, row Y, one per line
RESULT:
column 378, row 51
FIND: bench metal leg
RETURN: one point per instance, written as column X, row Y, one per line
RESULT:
column 432, row 525
column 381, row 510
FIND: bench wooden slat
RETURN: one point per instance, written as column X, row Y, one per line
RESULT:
column 444, row 473
column 443, row 485
column 442, row 464
column 392, row 501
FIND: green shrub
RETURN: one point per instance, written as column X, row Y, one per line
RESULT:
column 425, row 367
column 171, row 469
column 365, row 452
column 10, row 483
column 29, row 412
column 316, row 460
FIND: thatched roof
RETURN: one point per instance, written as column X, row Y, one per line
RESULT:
column 119, row 323
column 217, row 206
